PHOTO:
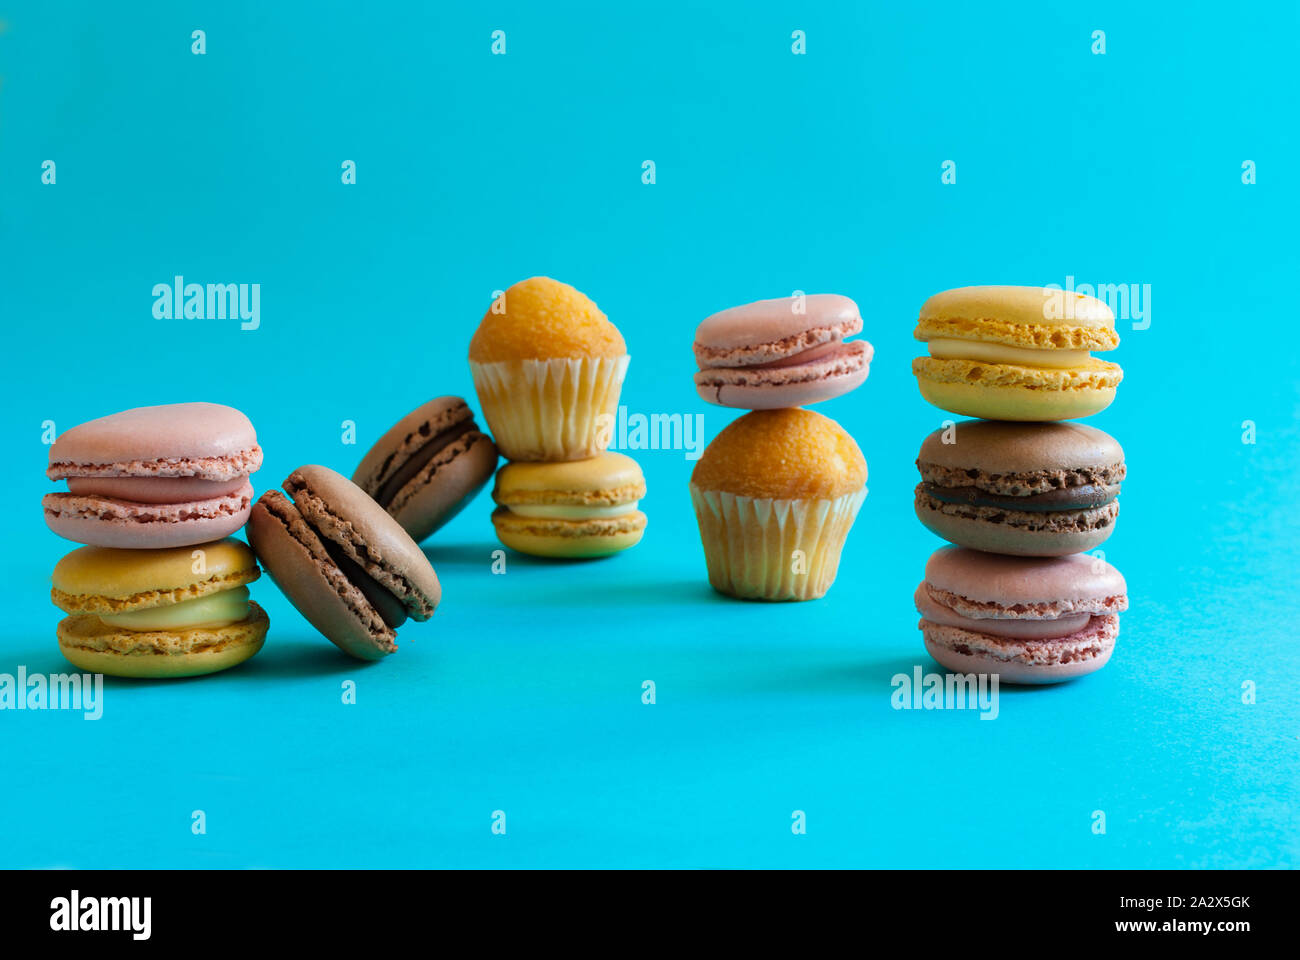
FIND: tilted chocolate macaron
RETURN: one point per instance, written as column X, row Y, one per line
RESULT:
column 178, row 612
column 781, row 353
column 347, row 566
column 579, row 508
column 428, row 466
column 1027, row 619
column 166, row 476
column 1029, row 489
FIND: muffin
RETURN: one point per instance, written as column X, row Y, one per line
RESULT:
column 775, row 494
column 548, row 367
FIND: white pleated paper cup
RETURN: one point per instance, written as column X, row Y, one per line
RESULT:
column 550, row 410
column 763, row 549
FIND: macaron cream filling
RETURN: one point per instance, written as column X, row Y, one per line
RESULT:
column 837, row 349
column 385, row 602
column 155, row 489
column 807, row 347
column 214, row 610
column 1083, row 497
column 421, row 458
column 572, row 511
column 945, row 348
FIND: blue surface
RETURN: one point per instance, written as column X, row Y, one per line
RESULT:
column 774, row 172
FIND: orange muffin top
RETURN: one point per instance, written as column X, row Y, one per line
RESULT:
column 791, row 454
column 541, row 319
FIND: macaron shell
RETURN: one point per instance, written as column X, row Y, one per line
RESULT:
column 104, row 522
column 964, row 651
column 1013, row 534
column 342, row 512
column 95, row 647
column 569, row 539
column 775, row 388
column 445, row 487
column 1018, row 304
column 1094, row 374
column 298, row 563
column 989, row 584
column 607, row 479
column 1020, row 403
column 108, row 580
column 768, row 330
column 1034, row 317
column 174, row 440
column 1057, row 628
column 997, row 446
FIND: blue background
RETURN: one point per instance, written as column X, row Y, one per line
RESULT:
column 775, row 172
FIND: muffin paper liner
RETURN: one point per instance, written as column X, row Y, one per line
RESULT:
column 750, row 544
column 550, row 410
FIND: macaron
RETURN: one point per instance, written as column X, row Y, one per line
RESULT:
column 789, row 352
column 428, row 466
column 176, row 612
column 1028, row 619
column 1016, row 353
column 1029, row 489
column 152, row 477
column 580, row 508
column 347, row 565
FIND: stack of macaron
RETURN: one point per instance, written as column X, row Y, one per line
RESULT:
column 160, row 590
column 1019, row 493
column 777, row 491
column 548, row 367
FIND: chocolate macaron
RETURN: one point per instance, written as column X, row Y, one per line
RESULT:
column 428, row 466
column 1027, row 619
column 347, row 565
column 1026, row 489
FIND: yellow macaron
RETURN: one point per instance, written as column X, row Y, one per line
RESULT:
column 579, row 508
column 1017, row 353
column 177, row 612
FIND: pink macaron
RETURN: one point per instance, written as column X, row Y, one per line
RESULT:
column 1027, row 619
column 167, row 476
column 781, row 353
